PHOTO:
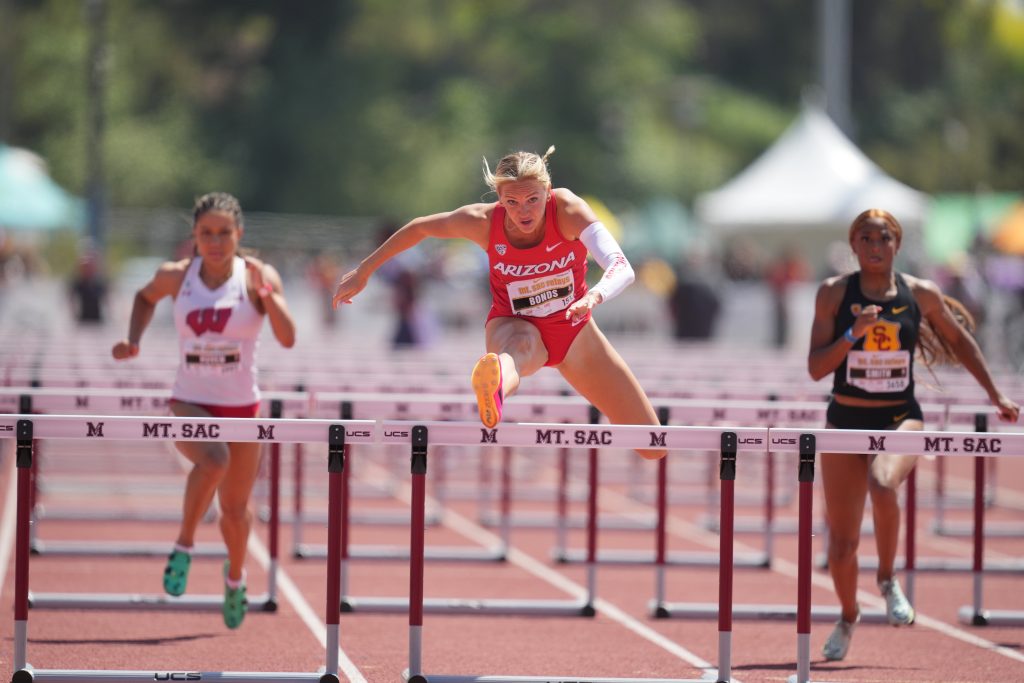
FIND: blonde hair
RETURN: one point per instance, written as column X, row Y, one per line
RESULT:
column 519, row 166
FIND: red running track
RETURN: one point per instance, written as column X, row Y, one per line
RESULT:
column 622, row 640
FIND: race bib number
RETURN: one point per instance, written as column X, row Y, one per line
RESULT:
column 212, row 358
column 542, row 296
column 878, row 371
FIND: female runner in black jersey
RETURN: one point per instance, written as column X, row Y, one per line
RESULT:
column 867, row 327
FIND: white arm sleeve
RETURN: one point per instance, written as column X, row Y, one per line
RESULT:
column 618, row 274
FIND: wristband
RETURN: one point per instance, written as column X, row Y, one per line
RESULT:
column 264, row 291
column 848, row 335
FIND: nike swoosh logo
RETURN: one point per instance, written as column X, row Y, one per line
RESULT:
column 553, row 246
column 900, row 416
column 900, row 309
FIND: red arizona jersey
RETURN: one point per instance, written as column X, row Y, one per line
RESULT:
column 540, row 281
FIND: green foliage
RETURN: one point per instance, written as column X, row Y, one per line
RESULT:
column 381, row 107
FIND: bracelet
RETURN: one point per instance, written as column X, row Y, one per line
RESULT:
column 848, row 335
column 264, row 291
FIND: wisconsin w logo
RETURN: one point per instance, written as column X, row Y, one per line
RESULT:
column 203, row 320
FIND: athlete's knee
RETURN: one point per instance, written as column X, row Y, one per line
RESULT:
column 520, row 345
column 212, row 459
column 883, row 481
column 234, row 509
column 652, row 454
column 842, row 548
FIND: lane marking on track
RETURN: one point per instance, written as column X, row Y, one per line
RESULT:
column 308, row 615
column 690, row 532
column 528, row 563
column 291, row 591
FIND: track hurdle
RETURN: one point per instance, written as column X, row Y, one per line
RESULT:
column 698, row 412
column 810, row 442
column 398, row 432
column 965, row 416
column 975, row 614
column 979, row 417
column 25, row 428
column 146, row 402
column 418, row 437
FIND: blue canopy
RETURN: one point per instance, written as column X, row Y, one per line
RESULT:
column 30, row 199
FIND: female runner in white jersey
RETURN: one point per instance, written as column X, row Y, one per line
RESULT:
column 220, row 299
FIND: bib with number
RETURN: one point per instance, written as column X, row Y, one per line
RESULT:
column 878, row 371
column 211, row 358
column 542, row 296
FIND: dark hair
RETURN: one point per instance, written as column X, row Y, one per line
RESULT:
column 226, row 203
column 218, row 201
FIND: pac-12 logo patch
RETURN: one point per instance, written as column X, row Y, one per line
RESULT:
column 501, row 249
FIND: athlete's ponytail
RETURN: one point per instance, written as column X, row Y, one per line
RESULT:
column 932, row 348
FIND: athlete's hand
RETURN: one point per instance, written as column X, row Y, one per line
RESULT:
column 1008, row 409
column 255, row 273
column 867, row 317
column 124, row 349
column 579, row 309
column 351, row 284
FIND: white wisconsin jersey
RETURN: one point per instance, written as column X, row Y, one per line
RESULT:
column 217, row 332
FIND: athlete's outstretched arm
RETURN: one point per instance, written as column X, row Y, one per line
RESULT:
column 933, row 307
column 165, row 282
column 468, row 222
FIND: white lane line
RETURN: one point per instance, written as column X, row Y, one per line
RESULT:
column 308, row 615
column 475, row 532
column 687, row 530
column 8, row 520
column 471, row 530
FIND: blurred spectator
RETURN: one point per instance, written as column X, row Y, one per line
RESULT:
column 789, row 268
column 693, row 302
column 323, row 273
column 403, row 274
column 962, row 280
column 88, row 290
column 740, row 260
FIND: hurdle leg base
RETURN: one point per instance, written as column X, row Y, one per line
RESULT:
column 23, row 676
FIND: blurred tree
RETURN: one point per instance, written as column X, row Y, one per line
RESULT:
column 372, row 107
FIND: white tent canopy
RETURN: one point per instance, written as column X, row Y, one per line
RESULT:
column 806, row 189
